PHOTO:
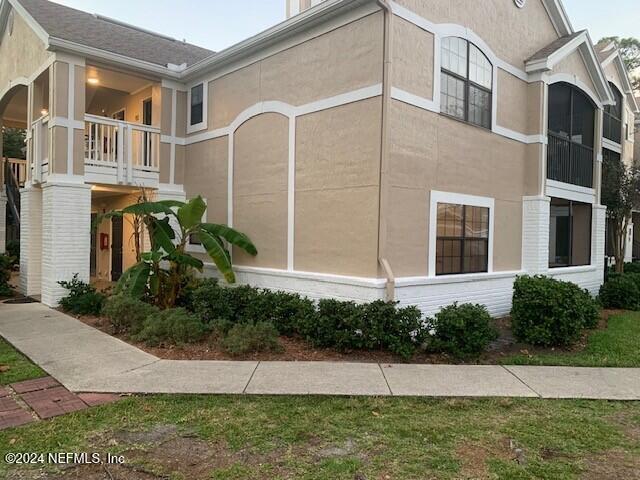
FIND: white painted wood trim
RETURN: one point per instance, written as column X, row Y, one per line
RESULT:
column 574, row 80
column 569, row 191
column 459, row 199
column 291, row 192
column 611, row 145
column 71, row 114
column 174, row 111
column 205, row 107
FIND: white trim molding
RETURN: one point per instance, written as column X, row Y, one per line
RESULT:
column 437, row 197
column 205, row 107
column 611, row 145
column 569, row 191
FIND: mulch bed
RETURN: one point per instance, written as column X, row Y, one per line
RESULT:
column 298, row 349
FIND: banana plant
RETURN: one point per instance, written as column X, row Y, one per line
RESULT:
column 161, row 272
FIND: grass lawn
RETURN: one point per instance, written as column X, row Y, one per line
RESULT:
column 232, row 437
column 17, row 366
column 617, row 346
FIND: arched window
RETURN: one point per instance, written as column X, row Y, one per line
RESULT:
column 466, row 79
column 613, row 117
column 571, row 135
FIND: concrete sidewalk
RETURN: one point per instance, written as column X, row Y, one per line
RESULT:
column 84, row 359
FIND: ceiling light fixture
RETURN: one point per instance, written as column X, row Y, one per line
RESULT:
column 44, row 112
column 93, row 81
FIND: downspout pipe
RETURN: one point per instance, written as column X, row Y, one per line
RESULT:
column 383, row 189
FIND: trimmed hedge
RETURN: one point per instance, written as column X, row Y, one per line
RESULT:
column 550, row 312
column 6, row 262
column 174, row 326
column 251, row 337
column 127, row 314
column 621, row 291
column 464, row 331
column 336, row 324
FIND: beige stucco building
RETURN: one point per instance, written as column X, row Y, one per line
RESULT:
column 424, row 151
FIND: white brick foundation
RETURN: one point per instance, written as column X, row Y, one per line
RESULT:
column 66, row 247
column 535, row 234
column 30, row 241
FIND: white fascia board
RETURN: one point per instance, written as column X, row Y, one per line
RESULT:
column 96, row 53
column 293, row 25
column 558, row 16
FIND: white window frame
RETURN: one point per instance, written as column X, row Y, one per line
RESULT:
column 194, row 247
column 437, row 197
column 205, row 100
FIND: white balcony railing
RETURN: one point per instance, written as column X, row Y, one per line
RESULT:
column 121, row 152
column 40, row 149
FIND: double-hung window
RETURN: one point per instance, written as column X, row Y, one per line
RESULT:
column 462, row 241
column 466, row 81
column 196, row 106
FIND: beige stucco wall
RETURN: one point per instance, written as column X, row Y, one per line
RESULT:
column 520, row 104
column 574, row 65
column 21, row 53
column 343, row 60
column 206, row 175
column 513, row 34
column 412, row 59
column 337, row 194
column 432, row 152
column 261, row 152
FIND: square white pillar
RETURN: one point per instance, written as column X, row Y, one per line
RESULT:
column 30, row 240
column 66, row 242
column 598, row 229
column 535, row 234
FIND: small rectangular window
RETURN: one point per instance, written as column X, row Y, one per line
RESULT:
column 462, row 243
column 197, row 104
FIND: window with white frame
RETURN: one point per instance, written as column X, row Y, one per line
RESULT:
column 466, row 81
column 196, row 105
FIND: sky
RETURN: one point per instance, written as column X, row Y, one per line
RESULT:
column 217, row 24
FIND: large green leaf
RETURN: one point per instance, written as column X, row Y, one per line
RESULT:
column 171, row 203
column 185, row 259
column 163, row 235
column 148, row 208
column 218, row 254
column 191, row 213
column 151, row 257
column 134, row 280
column 234, row 237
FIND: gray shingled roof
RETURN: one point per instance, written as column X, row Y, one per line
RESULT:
column 553, row 46
column 97, row 32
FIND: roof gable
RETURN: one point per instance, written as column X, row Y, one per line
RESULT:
column 611, row 55
column 545, row 59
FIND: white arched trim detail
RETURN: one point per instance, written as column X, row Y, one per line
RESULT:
column 16, row 82
column 573, row 80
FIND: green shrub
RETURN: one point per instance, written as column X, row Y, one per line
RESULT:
column 372, row 326
column 13, row 251
column 83, row 299
column 6, row 262
column 631, row 267
column 464, row 331
column 245, row 338
column 286, row 311
column 621, row 291
column 189, row 286
column 551, row 312
column 175, row 326
column 127, row 314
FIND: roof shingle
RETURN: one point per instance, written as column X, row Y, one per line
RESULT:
column 102, row 33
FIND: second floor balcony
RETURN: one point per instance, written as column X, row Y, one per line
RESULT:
column 569, row 162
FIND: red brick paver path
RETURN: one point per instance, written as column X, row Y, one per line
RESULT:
column 47, row 398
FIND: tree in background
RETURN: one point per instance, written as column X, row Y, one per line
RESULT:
column 13, row 145
column 620, row 194
column 630, row 51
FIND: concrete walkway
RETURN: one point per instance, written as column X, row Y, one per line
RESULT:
column 84, row 359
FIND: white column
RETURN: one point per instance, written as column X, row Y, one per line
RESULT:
column 628, row 252
column 535, row 234
column 30, row 240
column 598, row 228
column 171, row 192
column 66, row 243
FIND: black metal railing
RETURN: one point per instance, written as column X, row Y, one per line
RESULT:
column 569, row 162
column 612, row 128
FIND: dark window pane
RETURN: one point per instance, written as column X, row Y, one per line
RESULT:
column 475, row 256
column 479, row 107
column 194, row 239
column 560, row 109
column 583, row 119
column 448, row 257
column 452, row 98
column 197, row 104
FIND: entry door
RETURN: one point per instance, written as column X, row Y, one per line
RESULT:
column 92, row 262
column 116, row 248
column 147, row 112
